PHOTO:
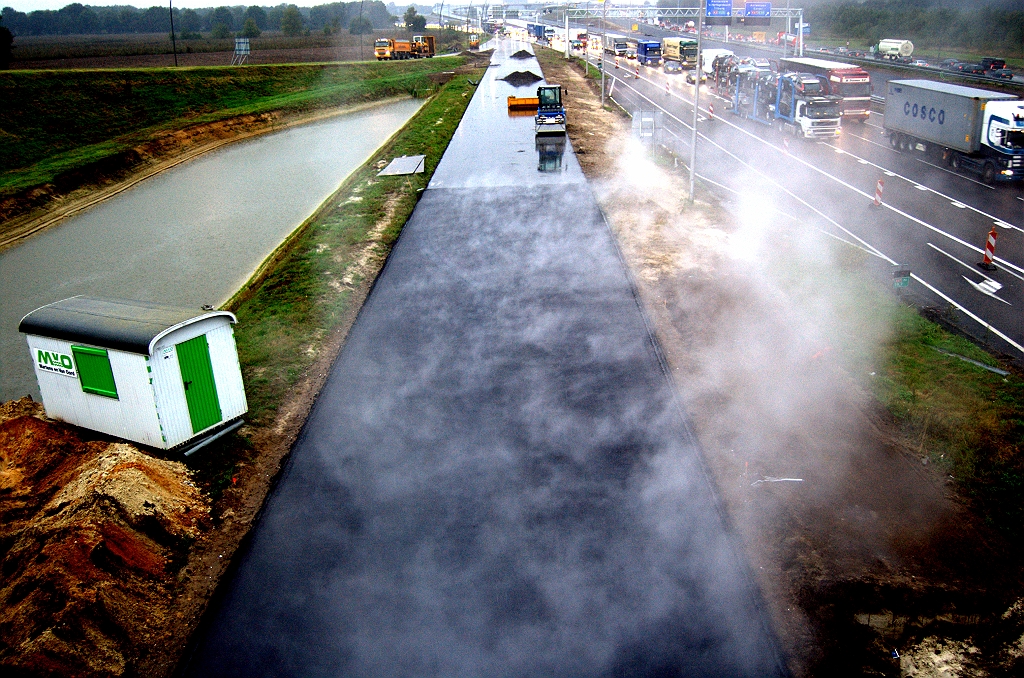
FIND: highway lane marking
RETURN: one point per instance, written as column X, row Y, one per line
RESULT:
column 985, row 289
column 955, row 174
column 832, row 177
column 769, row 179
column 923, row 162
column 775, row 209
column 958, row 205
column 993, row 284
column 921, row 187
column 988, row 326
column 960, row 307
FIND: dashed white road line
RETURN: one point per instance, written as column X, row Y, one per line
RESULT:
column 955, row 174
column 866, row 244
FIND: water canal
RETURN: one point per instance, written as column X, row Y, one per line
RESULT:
column 189, row 236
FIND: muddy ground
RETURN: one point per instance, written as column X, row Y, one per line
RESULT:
column 863, row 550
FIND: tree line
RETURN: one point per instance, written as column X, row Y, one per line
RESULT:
column 993, row 27
column 79, row 19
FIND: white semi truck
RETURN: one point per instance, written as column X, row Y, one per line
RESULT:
column 971, row 129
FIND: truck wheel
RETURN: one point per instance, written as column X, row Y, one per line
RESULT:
column 894, row 140
column 955, row 161
column 988, row 173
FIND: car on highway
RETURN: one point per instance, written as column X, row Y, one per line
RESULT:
column 858, row 54
column 949, row 64
column 673, row 67
column 690, row 76
column 920, row 63
column 1002, row 73
column 970, row 69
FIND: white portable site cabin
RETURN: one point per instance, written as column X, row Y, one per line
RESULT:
column 157, row 375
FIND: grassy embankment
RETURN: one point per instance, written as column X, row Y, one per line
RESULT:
column 55, row 123
column 319, row 278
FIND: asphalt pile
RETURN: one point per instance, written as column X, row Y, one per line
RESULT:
column 521, row 78
column 92, row 535
column 522, row 54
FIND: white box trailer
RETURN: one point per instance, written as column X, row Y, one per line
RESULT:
column 972, row 128
column 158, row 375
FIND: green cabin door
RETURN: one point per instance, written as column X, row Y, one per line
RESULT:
column 197, row 378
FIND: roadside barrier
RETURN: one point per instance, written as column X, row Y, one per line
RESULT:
column 878, row 192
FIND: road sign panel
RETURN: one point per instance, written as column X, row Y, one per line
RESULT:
column 719, row 8
column 758, row 9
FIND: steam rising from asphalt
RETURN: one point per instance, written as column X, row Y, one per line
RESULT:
column 767, row 319
column 496, row 480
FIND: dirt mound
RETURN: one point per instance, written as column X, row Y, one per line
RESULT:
column 521, row 78
column 92, row 535
column 522, row 54
column 25, row 407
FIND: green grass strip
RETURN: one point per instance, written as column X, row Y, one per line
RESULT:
column 55, row 122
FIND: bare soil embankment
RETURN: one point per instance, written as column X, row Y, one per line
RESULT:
column 94, row 535
column 871, row 550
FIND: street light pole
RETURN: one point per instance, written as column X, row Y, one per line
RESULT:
column 696, row 97
column 174, row 44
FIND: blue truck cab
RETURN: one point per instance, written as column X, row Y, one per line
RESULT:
column 648, row 52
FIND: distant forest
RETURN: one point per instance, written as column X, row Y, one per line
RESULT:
column 78, row 19
column 995, row 26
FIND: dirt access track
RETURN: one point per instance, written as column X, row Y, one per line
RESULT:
column 859, row 548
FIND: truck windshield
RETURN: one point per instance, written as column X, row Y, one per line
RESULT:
column 1014, row 139
column 817, row 111
column 381, row 43
column 812, row 88
column 549, row 96
column 853, row 89
column 620, row 45
column 690, row 51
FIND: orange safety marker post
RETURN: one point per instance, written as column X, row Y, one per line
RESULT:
column 990, row 251
column 878, row 192
column 785, row 144
column 668, row 89
column 711, row 112
column 616, row 62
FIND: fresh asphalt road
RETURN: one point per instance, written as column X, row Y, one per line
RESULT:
column 496, row 479
column 933, row 220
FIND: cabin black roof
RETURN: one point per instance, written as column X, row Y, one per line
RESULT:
column 133, row 326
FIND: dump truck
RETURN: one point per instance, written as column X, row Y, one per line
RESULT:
column 550, row 118
column 474, row 41
column 972, row 129
column 423, row 46
column 386, row 49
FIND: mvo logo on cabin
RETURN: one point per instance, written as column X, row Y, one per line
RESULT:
column 58, row 363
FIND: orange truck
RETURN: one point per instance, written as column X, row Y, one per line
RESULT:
column 423, row 46
column 386, row 49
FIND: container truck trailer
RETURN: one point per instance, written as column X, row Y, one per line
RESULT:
column 615, row 44
column 972, row 129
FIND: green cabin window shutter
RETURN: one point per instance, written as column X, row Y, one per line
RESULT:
column 94, row 371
